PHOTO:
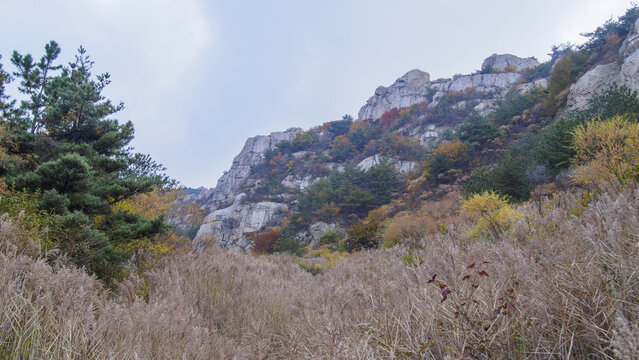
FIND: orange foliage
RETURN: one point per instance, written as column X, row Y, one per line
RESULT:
column 358, row 125
column 389, row 118
column 454, row 151
column 428, row 220
column 264, row 243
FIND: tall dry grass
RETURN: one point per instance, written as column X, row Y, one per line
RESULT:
column 558, row 286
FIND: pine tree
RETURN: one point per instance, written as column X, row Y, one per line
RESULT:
column 78, row 157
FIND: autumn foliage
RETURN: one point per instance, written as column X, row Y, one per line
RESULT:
column 264, row 243
column 605, row 151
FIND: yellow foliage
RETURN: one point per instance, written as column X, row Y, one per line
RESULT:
column 358, row 125
column 454, row 151
column 605, row 150
column 491, row 212
column 331, row 258
column 148, row 252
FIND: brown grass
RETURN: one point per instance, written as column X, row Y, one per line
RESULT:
column 558, row 286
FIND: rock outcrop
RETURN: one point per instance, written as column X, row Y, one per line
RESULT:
column 625, row 71
column 412, row 88
column 401, row 166
column 317, row 230
column 506, row 62
column 252, row 153
column 415, row 86
column 497, row 84
column 298, row 183
column 229, row 226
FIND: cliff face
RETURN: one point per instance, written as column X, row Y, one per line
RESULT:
column 233, row 216
column 230, row 218
column 499, row 74
column 252, row 153
column 624, row 71
column 412, row 88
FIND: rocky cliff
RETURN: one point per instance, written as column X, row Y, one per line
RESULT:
column 233, row 215
column 399, row 126
column 623, row 71
column 499, row 74
column 252, row 153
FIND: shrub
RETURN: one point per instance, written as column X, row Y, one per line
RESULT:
column 477, row 131
column 332, row 239
column 565, row 71
column 606, row 150
column 289, row 243
column 364, row 234
column 515, row 103
column 342, row 148
column 265, row 243
column 491, row 212
column 301, row 141
column 389, row 118
column 340, row 127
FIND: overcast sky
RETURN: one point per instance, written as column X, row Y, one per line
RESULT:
column 200, row 77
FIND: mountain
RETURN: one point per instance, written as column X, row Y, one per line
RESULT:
column 403, row 126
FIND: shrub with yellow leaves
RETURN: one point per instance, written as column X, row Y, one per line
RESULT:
column 491, row 212
column 606, row 150
column 148, row 252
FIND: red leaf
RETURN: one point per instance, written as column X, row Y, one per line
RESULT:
column 442, row 286
column 466, row 277
column 471, row 266
column 433, row 279
column 482, row 273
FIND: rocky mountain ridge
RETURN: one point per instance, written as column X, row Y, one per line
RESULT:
column 232, row 216
column 235, row 215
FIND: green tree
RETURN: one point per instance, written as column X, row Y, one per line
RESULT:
column 78, row 157
column 34, row 80
column 477, row 131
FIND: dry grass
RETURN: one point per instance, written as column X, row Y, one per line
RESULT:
column 558, row 286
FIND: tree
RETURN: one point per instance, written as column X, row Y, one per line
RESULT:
column 477, row 131
column 6, row 103
column 35, row 78
column 342, row 148
column 78, row 157
column 340, row 127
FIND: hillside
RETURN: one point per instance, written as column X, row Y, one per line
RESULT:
column 492, row 215
column 437, row 136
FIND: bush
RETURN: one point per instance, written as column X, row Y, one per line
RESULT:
column 289, row 243
column 301, row 141
column 340, row 127
column 266, row 242
column 491, row 212
column 477, row 131
column 515, row 103
column 352, row 191
column 565, row 71
column 605, row 151
column 364, row 234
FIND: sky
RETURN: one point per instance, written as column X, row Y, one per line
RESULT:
column 200, row 77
